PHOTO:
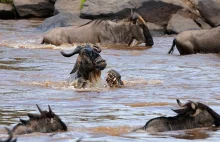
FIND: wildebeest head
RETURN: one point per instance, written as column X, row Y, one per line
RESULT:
column 89, row 63
column 200, row 112
column 113, row 79
column 191, row 115
column 190, row 108
column 45, row 122
column 9, row 138
column 140, row 30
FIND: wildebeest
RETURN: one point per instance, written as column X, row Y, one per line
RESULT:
column 10, row 138
column 113, row 79
column 191, row 115
column 44, row 122
column 197, row 41
column 88, row 66
column 103, row 31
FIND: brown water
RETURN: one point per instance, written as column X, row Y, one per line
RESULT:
column 37, row 74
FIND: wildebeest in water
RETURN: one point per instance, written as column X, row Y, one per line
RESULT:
column 103, row 31
column 191, row 115
column 88, row 66
column 45, row 122
column 197, row 41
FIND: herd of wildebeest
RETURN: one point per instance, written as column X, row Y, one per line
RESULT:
column 89, row 65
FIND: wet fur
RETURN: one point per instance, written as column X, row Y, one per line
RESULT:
column 100, row 31
column 88, row 65
column 45, row 122
column 197, row 41
column 187, row 118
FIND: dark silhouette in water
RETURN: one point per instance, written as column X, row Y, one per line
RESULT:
column 191, row 115
column 44, row 122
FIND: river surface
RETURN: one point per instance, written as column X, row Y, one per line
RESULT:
column 32, row 74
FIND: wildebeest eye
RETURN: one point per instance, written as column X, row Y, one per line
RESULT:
column 47, row 120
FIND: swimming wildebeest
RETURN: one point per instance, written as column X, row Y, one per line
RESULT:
column 88, row 66
column 197, row 41
column 191, row 115
column 113, row 79
column 103, row 31
column 44, row 122
column 9, row 138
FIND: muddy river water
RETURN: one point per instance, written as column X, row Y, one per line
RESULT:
column 32, row 74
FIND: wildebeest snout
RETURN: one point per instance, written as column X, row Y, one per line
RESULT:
column 100, row 63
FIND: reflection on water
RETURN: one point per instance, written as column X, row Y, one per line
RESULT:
column 32, row 74
column 193, row 134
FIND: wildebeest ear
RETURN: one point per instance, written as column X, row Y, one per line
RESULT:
column 34, row 116
column 75, row 68
column 193, row 105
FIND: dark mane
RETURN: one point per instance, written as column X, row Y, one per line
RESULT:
column 95, row 22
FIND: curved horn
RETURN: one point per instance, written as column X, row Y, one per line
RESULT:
column 39, row 109
column 50, row 110
column 179, row 103
column 10, row 135
column 97, row 48
column 75, row 51
column 178, row 111
column 141, row 19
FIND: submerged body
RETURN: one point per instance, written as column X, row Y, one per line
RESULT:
column 45, row 122
column 162, row 124
column 102, row 31
column 191, row 115
column 113, row 80
column 197, row 41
